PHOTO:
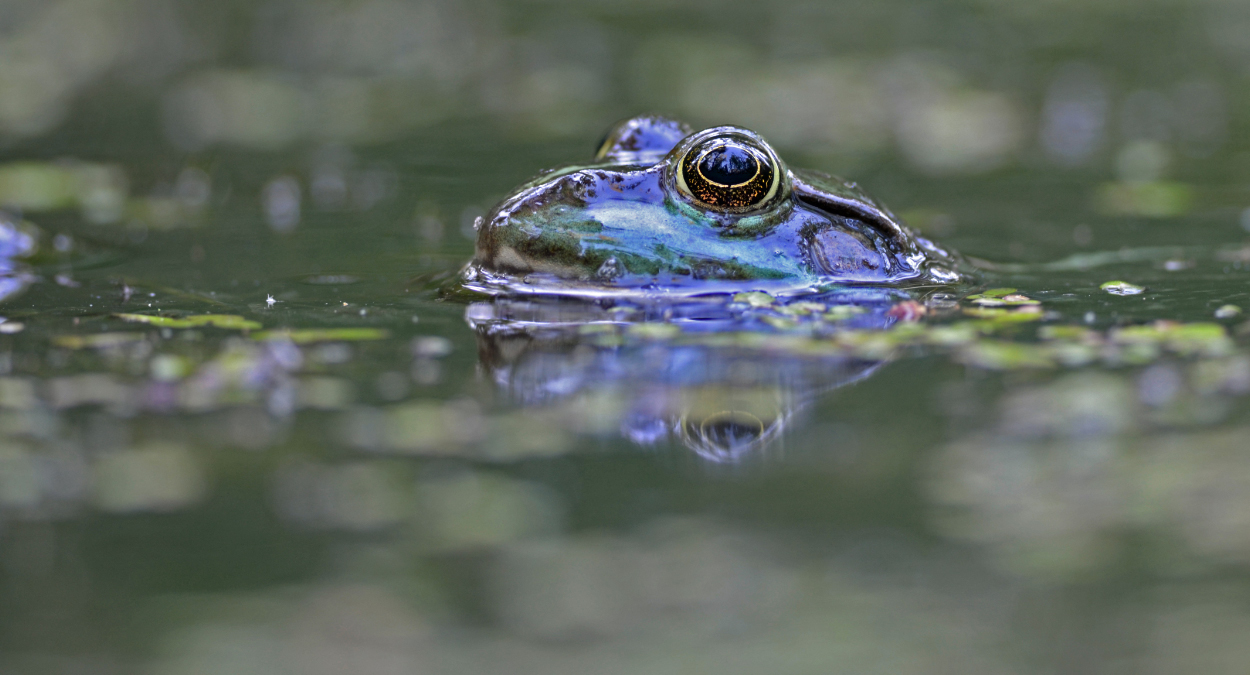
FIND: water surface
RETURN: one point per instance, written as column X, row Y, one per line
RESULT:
column 344, row 469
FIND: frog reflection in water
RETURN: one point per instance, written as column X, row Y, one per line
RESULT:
column 662, row 205
column 665, row 226
column 723, row 399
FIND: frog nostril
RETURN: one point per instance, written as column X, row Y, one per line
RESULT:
column 729, row 166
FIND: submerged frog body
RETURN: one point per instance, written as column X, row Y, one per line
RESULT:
column 662, row 205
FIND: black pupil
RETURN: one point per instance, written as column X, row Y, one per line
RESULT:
column 728, row 165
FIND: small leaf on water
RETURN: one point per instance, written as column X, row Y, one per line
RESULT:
column 227, row 321
column 840, row 312
column 780, row 323
column 654, row 331
column 802, row 308
column 996, row 355
column 755, row 298
column 1018, row 299
column 1009, row 300
column 1227, row 312
column 1072, row 333
column 97, row 340
column 1154, row 199
column 310, row 335
column 1004, row 315
column 1122, row 288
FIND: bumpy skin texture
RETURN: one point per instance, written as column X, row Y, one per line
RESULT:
column 629, row 219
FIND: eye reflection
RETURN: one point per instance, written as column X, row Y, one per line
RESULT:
column 727, row 435
column 728, row 166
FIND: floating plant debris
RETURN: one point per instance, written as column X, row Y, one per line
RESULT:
column 98, row 340
column 227, row 321
column 311, row 335
column 755, row 299
column 1122, row 288
column 1153, row 199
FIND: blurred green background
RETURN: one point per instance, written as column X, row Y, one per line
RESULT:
column 366, row 493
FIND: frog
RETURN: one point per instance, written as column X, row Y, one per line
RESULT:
column 663, row 205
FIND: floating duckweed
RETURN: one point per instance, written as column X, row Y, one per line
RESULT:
column 228, row 321
column 1073, row 354
column 1072, row 333
column 1138, row 354
column 1024, row 313
column 1135, row 334
column 655, row 331
column 1154, row 199
column 310, row 335
column 872, row 345
column 1017, row 297
column 168, row 367
column 1227, row 312
column 802, row 309
column 779, row 322
column 755, row 299
column 952, row 334
column 1204, row 339
column 992, row 293
column 1000, row 297
column 998, row 355
column 98, row 340
column 38, row 186
column 971, row 342
column 596, row 328
column 1122, row 288
column 842, row 312
column 158, row 477
column 1187, row 339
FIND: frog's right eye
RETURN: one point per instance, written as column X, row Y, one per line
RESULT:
column 726, row 170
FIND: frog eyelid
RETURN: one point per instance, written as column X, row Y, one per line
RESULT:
column 870, row 213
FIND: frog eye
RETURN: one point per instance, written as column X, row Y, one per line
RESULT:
column 643, row 139
column 729, row 173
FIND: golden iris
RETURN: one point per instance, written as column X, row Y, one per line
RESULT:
column 728, row 174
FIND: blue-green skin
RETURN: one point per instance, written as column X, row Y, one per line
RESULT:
column 626, row 221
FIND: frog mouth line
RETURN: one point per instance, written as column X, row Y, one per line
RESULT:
column 871, row 214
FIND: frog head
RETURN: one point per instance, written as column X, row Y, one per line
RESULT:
column 662, row 204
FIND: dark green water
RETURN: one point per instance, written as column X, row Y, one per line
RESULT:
column 352, row 478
